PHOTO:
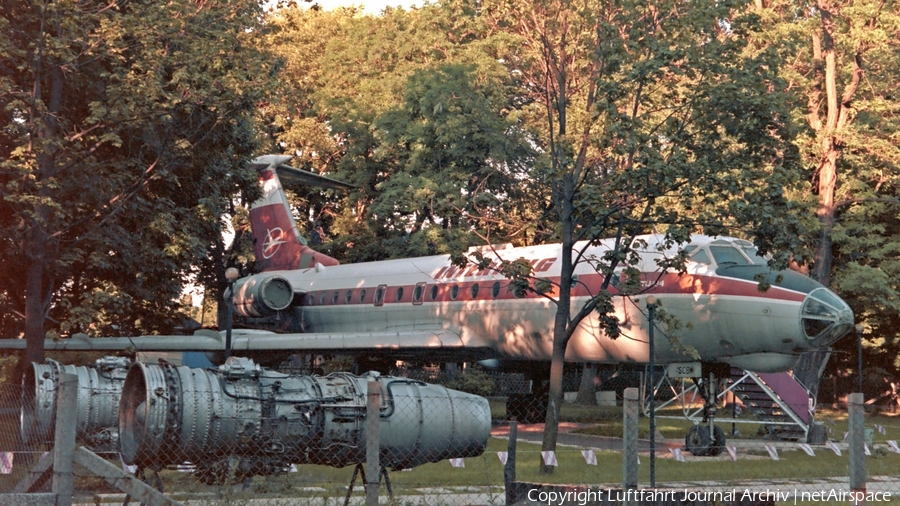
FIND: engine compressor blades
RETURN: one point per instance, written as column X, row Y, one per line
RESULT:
column 266, row 420
column 99, row 388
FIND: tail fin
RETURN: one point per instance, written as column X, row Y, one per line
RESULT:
column 277, row 240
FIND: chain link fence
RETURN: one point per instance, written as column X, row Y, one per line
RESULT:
column 241, row 434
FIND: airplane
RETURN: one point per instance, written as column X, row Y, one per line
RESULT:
column 427, row 309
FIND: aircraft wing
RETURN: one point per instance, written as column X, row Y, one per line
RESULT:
column 327, row 341
column 256, row 340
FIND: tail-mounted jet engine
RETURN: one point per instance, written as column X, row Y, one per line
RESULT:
column 262, row 295
column 99, row 388
column 241, row 420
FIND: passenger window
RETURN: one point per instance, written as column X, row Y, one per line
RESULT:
column 379, row 295
column 474, row 290
column 495, row 289
column 399, row 293
column 349, row 296
column 362, row 295
column 418, row 293
column 454, row 292
column 434, row 292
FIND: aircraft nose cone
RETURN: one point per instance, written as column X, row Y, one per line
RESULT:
column 825, row 317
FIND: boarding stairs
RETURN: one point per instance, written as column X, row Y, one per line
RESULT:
column 777, row 400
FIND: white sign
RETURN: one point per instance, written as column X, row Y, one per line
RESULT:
column 589, row 457
column 685, row 370
column 6, row 462
column 549, row 458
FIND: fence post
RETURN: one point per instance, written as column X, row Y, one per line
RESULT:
column 64, row 442
column 857, row 448
column 509, row 470
column 373, row 445
column 630, row 439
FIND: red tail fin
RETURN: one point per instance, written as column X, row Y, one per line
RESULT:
column 277, row 240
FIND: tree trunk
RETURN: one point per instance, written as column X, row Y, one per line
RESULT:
column 219, row 294
column 811, row 366
column 586, row 388
column 827, row 182
column 34, row 309
column 562, row 320
column 829, row 131
column 39, row 246
column 554, row 402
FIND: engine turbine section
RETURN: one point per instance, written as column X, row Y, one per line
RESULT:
column 254, row 421
column 99, row 388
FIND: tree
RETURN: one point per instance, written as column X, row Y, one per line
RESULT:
column 649, row 117
column 446, row 155
column 413, row 109
column 126, row 130
column 841, row 59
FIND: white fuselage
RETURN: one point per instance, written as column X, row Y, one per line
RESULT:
column 721, row 318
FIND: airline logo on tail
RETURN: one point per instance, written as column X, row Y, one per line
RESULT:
column 277, row 240
column 272, row 242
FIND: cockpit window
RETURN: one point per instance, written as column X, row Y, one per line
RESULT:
column 701, row 257
column 728, row 255
column 753, row 254
column 825, row 317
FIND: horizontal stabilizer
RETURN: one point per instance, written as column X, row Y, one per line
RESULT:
column 292, row 175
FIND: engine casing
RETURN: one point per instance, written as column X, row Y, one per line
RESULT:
column 99, row 388
column 262, row 295
column 270, row 420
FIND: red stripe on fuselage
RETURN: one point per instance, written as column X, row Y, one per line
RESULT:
column 670, row 283
column 720, row 285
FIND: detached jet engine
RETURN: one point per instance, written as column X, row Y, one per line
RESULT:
column 99, row 388
column 242, row 420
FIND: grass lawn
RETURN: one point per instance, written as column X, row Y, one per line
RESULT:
column 486, row 471
column 484, row 474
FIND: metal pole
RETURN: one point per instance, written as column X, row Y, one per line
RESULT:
column 231, row 274
column 859, row 374
column 373, row 446
column 64, row 442
column 509, row 470
column 229, row 317
column 630, row 439
column 651, row 310
column 857, row 450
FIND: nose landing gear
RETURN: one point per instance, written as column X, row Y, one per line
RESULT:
column 706, row 438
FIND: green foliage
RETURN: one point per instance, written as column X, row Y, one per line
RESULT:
column 652, row 119
column 126, row 129
column 841, row 66
column 474, row 381
column 413, row 109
